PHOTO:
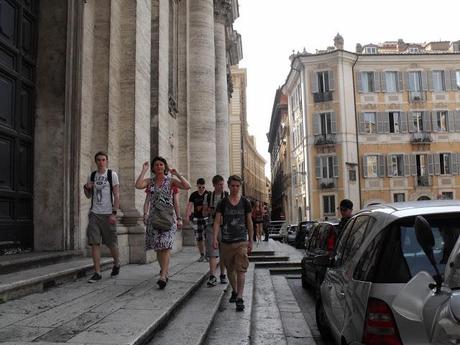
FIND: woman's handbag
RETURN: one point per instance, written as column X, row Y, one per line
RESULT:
column 162, row 217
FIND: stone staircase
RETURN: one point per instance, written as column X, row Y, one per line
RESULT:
column 131, row 310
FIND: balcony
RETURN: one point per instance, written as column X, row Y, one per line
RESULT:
column 417, row 96
column 325, row 139
column 421, row 138
column 322, row 96
column 423, row 181
column 327, row 183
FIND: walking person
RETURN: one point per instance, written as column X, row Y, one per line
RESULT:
column 234, row 225
column 266, row 223
column 199, row 221
column 257, row 218
column 103, row 189
column 159, row 212
column 346, row 211
column 210, row 204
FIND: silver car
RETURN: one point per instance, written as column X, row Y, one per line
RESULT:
column 376, row 255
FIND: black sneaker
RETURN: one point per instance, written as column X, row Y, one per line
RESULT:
column 115, row 271
column 212, row 281
column 223, row 279
column 233, row 297
column 95, row 278
column 239, row 304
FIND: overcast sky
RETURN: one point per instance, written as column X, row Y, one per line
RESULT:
column 271, row 29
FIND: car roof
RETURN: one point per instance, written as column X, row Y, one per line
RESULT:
column 412, row 208
column 330, row 222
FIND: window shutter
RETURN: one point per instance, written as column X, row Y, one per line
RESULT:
column 331, row 80
column 435, row 122
column 424, row 80
column 406, row 81
column 380, row 121
column 318, row 167
column 457, row 120
column 333, row 122
column 447, row 81
column 403, row 120
column 450, row 120
column 410, row 122
column 389, row 165
column 386, row 122
column 314, row 82
column 376, row 81
column 426, row 121
column 400, row 82
column 430, row 164
column 413, row 165
column 365, row 166
column 430, row 80
column 336, row 166
column 381, row 168
column 383, row 81
column 316, row 124
column 362, row 125
column 453, row 79
column 455, row 163
column 437, row 163
column 359, row 86
column 406, row 165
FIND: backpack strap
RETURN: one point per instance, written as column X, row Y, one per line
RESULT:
column 92, row 178
column 109, row 178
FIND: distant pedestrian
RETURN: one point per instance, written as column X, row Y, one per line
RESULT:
column 234, row 224
column 258, row 219
column 210, row 204
column 346, row 211
column 266, row 223
column 160, row 214
column 103, row 189
column 199, row 221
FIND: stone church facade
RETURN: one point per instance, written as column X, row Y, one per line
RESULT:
column 135, row 78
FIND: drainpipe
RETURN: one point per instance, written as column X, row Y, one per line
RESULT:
column 358, row 173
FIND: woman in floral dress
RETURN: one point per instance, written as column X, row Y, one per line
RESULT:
column 160, row 186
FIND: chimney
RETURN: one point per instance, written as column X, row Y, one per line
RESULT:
column 359, row 48
column 338, row 42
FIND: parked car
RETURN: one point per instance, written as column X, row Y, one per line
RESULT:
column 274, row 229
column 291, row 233
column 376, row 255
column 303, row 230
column 320, row 243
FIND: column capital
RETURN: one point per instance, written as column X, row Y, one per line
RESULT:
column 223, row 12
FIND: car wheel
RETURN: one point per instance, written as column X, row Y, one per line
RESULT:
column 321, row 320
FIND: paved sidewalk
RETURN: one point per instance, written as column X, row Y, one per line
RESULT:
column 114, row 311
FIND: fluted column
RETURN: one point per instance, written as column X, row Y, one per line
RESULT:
column 201, row 90
column 222, row 11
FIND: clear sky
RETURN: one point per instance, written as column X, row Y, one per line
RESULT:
column 271, row 29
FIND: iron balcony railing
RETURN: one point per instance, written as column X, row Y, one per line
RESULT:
column 322, row 96
column 325, row 139
column 421, row 138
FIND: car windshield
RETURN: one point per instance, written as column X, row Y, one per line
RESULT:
column 403, row 257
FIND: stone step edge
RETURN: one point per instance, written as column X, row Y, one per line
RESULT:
column 277, row 264
column 268, row 258
column 40, row 283
column 256, row 252
column 162, row 321
column 285, row 270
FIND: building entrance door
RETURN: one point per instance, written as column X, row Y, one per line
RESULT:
column 18, row 46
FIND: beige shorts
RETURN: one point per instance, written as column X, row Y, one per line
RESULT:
column 100, row 228
column 235, row 256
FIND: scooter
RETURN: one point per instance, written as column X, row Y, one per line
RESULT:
column 434, row 304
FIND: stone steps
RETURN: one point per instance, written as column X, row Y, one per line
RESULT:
column 273, row 258
column 285, row 270
column 276, row 264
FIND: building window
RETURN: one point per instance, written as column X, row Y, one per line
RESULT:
column 415, row 81
column 399, row 197
column 457, row 78
column 396, row 165
column 370, row 122
column 371, row 166
column 444, row 161
column 441, row 121
column 326, row 123
column 371, row 50
column 439, row 84
column 417, row 119
column 329, row 205
column 394, row 119
column 391, row 81
column 413, row 50
column 352, row 175
column 367, row 81
column 327, row 167
column 447, row 195
column 323, row 81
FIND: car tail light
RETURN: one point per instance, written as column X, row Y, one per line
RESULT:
column 331, row 237
column 380, row 326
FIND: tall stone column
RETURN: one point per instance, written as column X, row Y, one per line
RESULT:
column 222, row 12
column 201, row 91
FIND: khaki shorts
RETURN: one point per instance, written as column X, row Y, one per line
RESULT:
column 100, row 228
column 235, row 256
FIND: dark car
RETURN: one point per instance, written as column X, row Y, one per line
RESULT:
column 291, row 233
column 303, row 229
column 319, row 244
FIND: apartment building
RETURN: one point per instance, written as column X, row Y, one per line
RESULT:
column 381, row 124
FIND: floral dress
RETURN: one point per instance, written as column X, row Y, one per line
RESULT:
column 155, row 239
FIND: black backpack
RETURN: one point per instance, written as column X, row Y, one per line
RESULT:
column 109, row 178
